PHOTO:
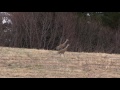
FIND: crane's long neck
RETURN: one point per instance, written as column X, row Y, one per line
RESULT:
column 65, row 42
column 66, row 46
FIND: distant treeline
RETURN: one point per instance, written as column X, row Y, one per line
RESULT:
column 86, row 31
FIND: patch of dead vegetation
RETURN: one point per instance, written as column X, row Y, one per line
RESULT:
column 21, row 62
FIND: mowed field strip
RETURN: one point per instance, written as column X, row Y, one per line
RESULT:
column 38, row 63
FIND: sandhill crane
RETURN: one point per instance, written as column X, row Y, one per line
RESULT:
column 62, row 51
column 61, row 46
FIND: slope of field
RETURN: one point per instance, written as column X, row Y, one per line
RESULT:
column 34, row 63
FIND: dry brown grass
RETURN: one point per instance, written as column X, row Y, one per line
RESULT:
column 33, row 63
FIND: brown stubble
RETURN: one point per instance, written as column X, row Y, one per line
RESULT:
column 21, row 62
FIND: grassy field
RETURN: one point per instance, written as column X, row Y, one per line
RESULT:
column 34, row 63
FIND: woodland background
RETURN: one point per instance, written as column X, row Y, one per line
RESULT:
column 86, row 31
